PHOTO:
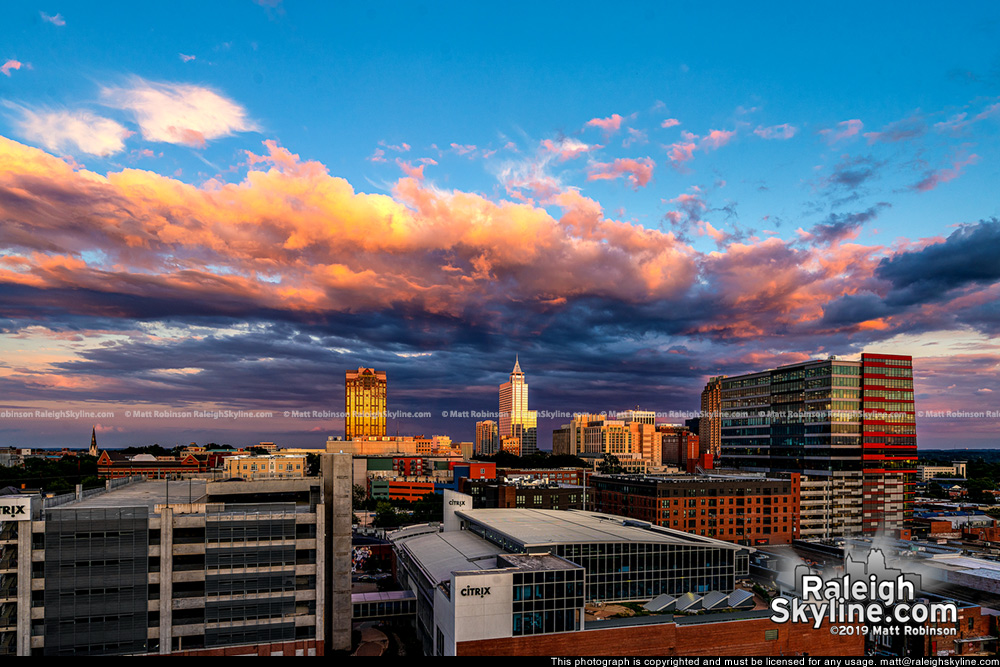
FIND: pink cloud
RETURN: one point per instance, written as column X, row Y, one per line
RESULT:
column 959, row 122
column 680, row 152
column 703, row 228
column 845, row 130
column 783, row 131
column 638, row 172
column 901, row 130
column 716, row 139
column 934, row 178
column 186, row 58
column 568, row 148
column 610, row 125
column 410, row 170
column 10, row 65
column 690, row 203
column 670, row 122
column 377, row 156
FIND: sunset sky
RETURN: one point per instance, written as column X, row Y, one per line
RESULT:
column 225, row 205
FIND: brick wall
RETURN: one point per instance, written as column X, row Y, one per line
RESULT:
column 734, row 638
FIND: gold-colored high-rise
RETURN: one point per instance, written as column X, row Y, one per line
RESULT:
column 516, row 420
column 364, row 403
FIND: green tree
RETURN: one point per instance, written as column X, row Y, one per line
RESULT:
column 977, row 490
column 935, row 490
column 386, row 516
column 312, row 465
column 610, row 465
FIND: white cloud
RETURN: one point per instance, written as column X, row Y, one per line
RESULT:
column 54, row 20
column 72, row 131
column 179, row 113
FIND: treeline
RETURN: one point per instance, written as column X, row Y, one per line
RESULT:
column 982, row 471
column 52, row 475
column 539, row 460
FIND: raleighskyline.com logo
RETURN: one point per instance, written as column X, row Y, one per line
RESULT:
column 868, row 598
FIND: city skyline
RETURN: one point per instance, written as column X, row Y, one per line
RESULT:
column 226, row 214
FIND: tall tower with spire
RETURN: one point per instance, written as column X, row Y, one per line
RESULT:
column 516, row 420
column 93, row 442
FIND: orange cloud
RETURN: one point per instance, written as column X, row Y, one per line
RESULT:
column 323, row 246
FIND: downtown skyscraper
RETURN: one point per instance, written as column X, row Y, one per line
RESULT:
column 516, row 420
column 364, row 403
column 847, row 426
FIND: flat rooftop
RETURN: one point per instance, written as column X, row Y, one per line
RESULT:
column 440, row 554
column 541, row 528
column 535, row 562
column 707, row 478
column 148, row 494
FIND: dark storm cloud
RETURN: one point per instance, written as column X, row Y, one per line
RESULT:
column 969, row 256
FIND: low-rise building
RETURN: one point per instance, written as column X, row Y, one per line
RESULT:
column 531, row 494
column 516, row 582
column 113, row 465
column 252, row 466
column 749, row 510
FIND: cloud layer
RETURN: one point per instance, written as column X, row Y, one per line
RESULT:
column 292, row 253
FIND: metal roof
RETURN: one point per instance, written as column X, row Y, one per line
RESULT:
column 440, row 554
column 535, row 528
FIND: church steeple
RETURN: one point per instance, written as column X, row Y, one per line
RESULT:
column 93, row 442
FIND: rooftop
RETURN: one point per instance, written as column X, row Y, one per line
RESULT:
column 532, row 527
column 148, row 494
column 440, row 554
column 707, row 478
column 535, row 562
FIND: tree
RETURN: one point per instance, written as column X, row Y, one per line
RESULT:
column 312, row 465
column 977, row 490
column 935, row 490
column 386, row 515
column 429, row 508
column 358, row 495
column 610, row 465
